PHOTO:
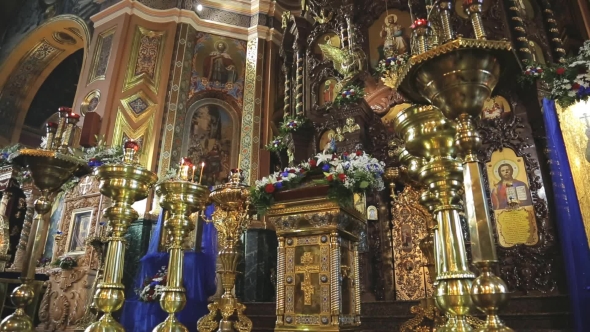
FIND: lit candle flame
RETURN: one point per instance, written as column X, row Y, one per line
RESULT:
column 201, row 175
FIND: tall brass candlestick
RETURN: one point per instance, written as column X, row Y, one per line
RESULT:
column 230, row 219
column 125, row 183
column 428, row 134
column 71, row 121
column 63, row 112
column 469, row 68
column 182, row 198
column 49, row 169
column 51, row 129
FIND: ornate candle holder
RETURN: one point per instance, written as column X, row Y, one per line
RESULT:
column 429, row 135
column 230, row 219
column 49, row 170
column 181, row 197
column 458, row 77
column 124, row 183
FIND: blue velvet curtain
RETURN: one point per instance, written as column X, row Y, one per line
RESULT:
column 199, row 282
column 574, row 242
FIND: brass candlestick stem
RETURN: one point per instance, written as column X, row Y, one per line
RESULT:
column 230, row 219
column 49, row 170
column 429, row 135
column 182, row 198
column 125, row 183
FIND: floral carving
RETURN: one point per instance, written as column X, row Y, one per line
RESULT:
column 524, row 268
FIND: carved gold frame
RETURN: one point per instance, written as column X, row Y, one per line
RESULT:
column 131, row 79
column 122, row 126
column 73, row 216
column 86, row 102
column 148, row 111
column 92, row 77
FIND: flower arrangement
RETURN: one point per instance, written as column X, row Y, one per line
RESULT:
column 102, row 154
column 7, row 151
column 392, row 64
column 65, row 263
column 569, row 81
column 350, row 94
column 152, row 288
column 277, row 144
column 345, row 174
column 292, row 123
column 531, row 74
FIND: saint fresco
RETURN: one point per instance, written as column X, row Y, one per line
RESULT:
column 495, row 107
column 218, row 64
column 389, row 36
column 210, row 141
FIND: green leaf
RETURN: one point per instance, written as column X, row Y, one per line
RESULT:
column 363, row 184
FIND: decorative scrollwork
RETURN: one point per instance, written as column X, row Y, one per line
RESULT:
column 524, row 268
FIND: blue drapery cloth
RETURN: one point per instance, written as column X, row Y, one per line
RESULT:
column 574, row 242
column 199, row 282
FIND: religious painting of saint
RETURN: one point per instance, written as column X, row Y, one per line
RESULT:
column 537, row 52
column 54, row 221
column 326, row 139
column 330, row 38
column 406, row 235
column 389, row 35
column 327, row 94
column 511, row 199
column 211, row 136
column 495, row 107
column 79, row 230
column 218, row 64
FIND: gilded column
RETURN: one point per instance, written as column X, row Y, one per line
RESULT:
column 518, row 31
column 32, row 194
column 280, row 280
column 300, row 72
column 552, row 31
column 250, row 143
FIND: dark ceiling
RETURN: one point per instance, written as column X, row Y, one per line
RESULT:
column 59, row 89
column 8, row 10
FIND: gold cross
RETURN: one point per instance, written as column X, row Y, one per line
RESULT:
column 307, row 269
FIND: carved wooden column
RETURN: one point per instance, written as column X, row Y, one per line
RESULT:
column 552, row 31
column 518, row 31
column 31, row 194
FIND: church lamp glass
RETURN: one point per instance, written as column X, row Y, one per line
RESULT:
column 458, row 77
column 50, row 169
column 429, row 135
column 181, row 197
column 125, row 183
column 230, row 218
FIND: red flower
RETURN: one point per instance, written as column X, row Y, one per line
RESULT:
column 527, row 72
column 359, row 153
column 313, row 163
column 539, row 70
column 330, row 178
column 292, row 171
column 560, row 71
column 269, row 188
column 334, row 156
column 279, row 178
column 342, row 177
column 575, row 86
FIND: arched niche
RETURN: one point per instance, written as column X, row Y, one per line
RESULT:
column 31, row 62
column 211, row 134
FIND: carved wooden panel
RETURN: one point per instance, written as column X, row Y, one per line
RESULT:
column 524, row 268
column 412, row 281
column 65, row 299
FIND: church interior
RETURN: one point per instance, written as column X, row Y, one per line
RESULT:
column 313, row 165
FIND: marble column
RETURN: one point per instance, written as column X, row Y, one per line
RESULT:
column 260, row 265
